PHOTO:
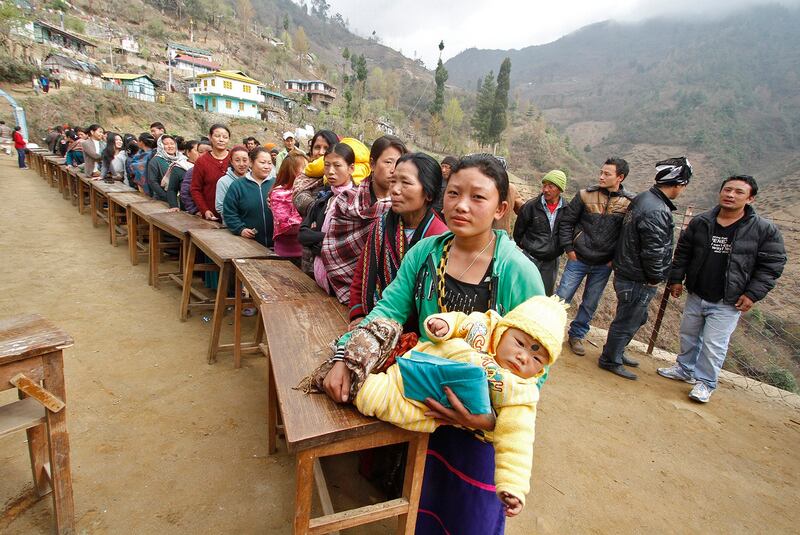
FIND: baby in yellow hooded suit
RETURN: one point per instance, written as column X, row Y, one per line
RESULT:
column 514, row 351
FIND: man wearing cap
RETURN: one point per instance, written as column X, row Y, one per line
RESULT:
column 536, row 229
column 642, row 260
column 288, row 146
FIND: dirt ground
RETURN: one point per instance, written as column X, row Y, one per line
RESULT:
column 164, row 443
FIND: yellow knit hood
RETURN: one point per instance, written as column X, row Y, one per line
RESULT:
column 544, row 318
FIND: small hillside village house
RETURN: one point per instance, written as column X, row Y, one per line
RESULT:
column 52, row 35
column 187, row 65
column 320, row 93
column 138, row 86
column 73, row 70
column 227, row 92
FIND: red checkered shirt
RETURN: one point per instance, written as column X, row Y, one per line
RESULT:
column 353, row 213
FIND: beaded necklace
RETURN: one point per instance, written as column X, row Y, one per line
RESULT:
column 440, row 275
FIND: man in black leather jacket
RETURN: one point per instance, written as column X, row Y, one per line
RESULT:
column 642, row 260
column 729, row 258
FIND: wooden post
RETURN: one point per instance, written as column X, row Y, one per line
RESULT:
column 662, row 307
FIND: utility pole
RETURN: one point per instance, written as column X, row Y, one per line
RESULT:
column 169, row 67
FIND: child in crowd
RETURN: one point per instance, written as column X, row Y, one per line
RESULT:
column 286, row 217
column 515, row 351
column 238, row 169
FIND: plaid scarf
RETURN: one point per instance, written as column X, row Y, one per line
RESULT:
column 353, row 213
column 385, row 249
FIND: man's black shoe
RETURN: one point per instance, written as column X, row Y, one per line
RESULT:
column 629, row 361
column 617, row 369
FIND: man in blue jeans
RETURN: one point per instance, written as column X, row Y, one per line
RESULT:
column 642, row 260
column 730, row 258
column 589, row 230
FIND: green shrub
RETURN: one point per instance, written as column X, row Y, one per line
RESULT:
column 74, row 24
column 16, row 72
column 781, row 378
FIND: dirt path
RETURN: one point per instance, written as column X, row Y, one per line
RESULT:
column 163, row 443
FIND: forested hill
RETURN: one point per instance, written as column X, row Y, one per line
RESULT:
column 728, row 88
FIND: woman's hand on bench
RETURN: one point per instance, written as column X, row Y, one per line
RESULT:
column 458, row 415
column 337, row 383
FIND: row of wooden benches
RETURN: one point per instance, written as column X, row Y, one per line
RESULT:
column 298, row 323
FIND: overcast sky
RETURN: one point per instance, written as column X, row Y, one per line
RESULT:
column 416, row 26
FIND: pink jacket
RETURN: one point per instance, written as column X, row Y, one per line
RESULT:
column 285, row 216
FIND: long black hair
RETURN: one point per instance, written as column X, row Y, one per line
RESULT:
column 111, row 149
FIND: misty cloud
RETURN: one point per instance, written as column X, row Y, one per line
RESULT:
column 416, row 27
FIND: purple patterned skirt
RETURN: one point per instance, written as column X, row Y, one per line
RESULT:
column 458, row 492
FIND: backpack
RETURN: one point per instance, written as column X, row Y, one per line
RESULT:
column 286, row 218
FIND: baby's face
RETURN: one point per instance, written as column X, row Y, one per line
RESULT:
column 521, row 354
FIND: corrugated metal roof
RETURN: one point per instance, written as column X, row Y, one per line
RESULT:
column 126, row 76
column 232, row 75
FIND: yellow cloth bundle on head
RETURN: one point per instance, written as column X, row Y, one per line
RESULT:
column 316, row 169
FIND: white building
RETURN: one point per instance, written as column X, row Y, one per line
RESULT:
column 227, row 92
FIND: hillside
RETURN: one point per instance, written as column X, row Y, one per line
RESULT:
column 726, row 90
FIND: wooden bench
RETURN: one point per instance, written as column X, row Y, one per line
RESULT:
column 63, row 181
column 50, row 167
column 72, row 183
column 84, row 191
column 176, row 225
column 221, row 247
column 299, row 334
column 31, row 359
column 36, row 160
column 266, row 281
column 98, row 198
column 139, row 228
column 118, row 203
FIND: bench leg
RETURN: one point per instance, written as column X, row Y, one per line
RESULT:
column 219, row 310
column 155, row 255
column 112, row 223
column 93, row 206
column 188, row 272
column 237, row 322
column 272, row 411
column 37, row 447
column 132, row 236
column 60, row 470
column 412, row 482
column 304, row 492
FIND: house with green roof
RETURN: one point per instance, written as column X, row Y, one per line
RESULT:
column 138, row 86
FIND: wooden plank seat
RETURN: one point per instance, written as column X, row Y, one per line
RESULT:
column 266, row 281
column 72, row 183
column 299, row 335
column 118, row 202
column 63, row 181
column 221, row 247
column 84, row 191
column 139, row 227
column 36, row 160
column 98, row 198
column 170, row 230
column 32, row 346
column 51, row 163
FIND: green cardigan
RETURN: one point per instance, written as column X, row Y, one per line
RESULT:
column 514, row 279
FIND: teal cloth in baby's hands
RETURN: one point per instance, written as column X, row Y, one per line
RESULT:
column 425, row 376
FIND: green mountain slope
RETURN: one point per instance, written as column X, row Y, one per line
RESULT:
column 727, row 88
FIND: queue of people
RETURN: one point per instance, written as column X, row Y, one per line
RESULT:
column 413, row 248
